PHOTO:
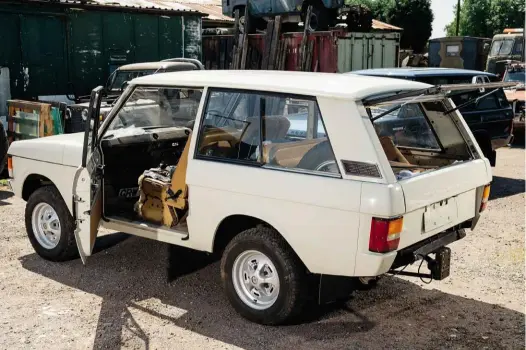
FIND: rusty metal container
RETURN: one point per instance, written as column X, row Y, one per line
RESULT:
column 332, row 51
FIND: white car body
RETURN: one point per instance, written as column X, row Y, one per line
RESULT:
column 325, row 219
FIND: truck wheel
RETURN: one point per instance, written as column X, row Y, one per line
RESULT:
column 50, row 226
column 263, row 279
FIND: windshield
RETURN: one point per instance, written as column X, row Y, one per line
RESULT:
column 518, row 76
column 123, row 76
column 406, row 126
column 157, row 107
column 501, row 47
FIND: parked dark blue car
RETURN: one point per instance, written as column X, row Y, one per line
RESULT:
column 490, row 120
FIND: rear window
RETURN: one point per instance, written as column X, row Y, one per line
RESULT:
column 406, row 126
column 496, row 100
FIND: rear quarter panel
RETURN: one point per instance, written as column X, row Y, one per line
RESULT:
column 319, row 216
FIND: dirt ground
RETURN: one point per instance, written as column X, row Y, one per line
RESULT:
column 122, row 297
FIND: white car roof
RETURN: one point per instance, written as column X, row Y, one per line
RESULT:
column 346, row 86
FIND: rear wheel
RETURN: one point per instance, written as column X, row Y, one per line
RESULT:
column 263, row 278
column 50, row 226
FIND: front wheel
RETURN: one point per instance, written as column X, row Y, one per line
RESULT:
column 49, row 225
column 263, row 279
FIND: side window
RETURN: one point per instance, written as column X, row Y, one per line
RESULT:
column 266, row 129
column 487, row 103
column 158, row 107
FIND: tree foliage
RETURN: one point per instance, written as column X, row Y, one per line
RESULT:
column 485, row 18
column 414, row 16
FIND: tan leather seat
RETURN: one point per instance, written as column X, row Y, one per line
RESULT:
column 175, row 197
column 275, row 128
column 391, row 151
column 289, row 154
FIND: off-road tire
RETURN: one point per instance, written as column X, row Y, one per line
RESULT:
column 66, row 248
column 293, row 293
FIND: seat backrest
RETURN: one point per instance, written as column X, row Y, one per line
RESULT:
column 392, row 153
column 179, row 176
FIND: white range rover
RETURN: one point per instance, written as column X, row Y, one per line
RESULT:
column 309, row 185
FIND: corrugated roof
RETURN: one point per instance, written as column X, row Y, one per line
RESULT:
column 210, row 7
column 384, row 26
column 150, row 5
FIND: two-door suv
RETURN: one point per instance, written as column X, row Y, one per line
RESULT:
column 287, row 175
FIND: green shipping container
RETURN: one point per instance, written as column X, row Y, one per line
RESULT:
column 68, row 49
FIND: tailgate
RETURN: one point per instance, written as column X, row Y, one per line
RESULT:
column 441, row 199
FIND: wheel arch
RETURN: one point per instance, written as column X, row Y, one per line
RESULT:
column 33, row 182
column 27, row 181
column 234, row 224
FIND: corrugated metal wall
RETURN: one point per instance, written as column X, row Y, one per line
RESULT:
column 71, row 51
column 368, row 50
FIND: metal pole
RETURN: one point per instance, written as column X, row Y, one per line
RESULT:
column 458, row 16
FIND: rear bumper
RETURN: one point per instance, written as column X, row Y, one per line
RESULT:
column 429, row 245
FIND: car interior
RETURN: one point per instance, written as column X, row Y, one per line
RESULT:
column 423, row 140
column 145, row 149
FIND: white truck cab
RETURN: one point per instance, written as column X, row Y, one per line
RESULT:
column 299, row 180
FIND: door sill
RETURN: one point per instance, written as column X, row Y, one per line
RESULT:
column 177, row 236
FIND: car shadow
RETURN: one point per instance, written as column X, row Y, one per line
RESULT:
column 3, row 196
column 504, row 187
column 397, row 314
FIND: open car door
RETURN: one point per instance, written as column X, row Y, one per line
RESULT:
column 87, row 188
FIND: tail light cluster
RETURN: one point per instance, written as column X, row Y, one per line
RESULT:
column 385, row 234
column 10, row 166
column 485, row 197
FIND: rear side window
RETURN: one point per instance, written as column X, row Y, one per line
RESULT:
column 265, row 129
column 493, row 101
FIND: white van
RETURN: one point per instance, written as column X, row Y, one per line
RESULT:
column 291, row 176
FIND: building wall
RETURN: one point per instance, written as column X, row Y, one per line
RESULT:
column 55, row 51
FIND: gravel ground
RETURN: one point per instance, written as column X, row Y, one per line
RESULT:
column 122, row 297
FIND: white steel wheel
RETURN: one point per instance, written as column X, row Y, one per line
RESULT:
column 255, row 279
column 46, row 225
column 263, row 278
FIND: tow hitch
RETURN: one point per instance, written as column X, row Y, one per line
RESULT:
column 439, row 266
